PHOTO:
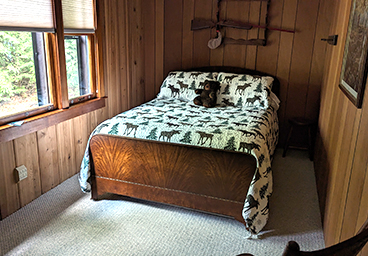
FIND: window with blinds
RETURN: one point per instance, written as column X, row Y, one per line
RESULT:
column 78, row 16
column 26, row 15
column 38, row 71
column 38, row 15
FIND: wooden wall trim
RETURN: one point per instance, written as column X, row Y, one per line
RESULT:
column 33, row 124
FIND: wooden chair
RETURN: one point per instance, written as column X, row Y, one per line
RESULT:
column 350, row 247
column 298, row 124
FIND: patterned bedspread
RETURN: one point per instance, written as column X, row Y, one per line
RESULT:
column 250, row 130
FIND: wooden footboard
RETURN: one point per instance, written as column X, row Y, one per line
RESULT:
column 203, row 179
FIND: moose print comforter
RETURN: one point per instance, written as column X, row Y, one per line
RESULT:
column 246, row 130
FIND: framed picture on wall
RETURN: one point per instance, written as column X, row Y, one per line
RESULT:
column 354, row 64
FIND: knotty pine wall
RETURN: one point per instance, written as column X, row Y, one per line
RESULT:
column 341, row 159
column 144, row 40
column 296, row 59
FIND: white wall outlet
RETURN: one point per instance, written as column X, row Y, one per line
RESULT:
column 20, row 173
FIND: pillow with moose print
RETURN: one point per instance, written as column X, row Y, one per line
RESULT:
column 182, row 84
column 241, row 90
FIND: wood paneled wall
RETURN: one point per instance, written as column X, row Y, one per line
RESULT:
column 144, row 40
column 296, row 59
column 51, row 156
column 341, row 159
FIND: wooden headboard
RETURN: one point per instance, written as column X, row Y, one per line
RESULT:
column 237, row 70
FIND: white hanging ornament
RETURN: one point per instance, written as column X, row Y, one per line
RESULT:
column 215, row 42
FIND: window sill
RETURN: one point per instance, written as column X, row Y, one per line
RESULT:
column 36, row 123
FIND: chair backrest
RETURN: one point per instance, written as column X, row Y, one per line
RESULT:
column 349, row 247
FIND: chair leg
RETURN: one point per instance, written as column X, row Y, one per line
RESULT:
column 310, row 145
column 287, row 141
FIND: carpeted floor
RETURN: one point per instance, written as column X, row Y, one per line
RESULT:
column 64, row 221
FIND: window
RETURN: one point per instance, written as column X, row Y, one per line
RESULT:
column 77, row 66
column 23, row 73
column 48, row 60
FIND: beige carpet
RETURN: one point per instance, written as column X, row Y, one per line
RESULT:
column 64, row 221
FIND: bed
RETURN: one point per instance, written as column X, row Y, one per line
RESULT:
column 168, row 150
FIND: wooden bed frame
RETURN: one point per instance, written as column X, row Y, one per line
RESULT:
column 209, row 180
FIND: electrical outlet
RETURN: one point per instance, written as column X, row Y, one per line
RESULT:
column 20, row 173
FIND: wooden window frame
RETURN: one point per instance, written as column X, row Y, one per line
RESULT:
column 62, row 108
column 92, row 70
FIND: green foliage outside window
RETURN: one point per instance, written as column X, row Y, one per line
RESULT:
column 17, row 74
column 71, row 56
column 17, row 70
